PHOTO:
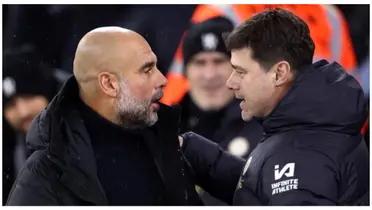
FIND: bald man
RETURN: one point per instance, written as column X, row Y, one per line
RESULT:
column 105, row 139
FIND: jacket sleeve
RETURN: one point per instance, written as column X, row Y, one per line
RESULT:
column 216, row 171
column 32, row 186
column 300, row 177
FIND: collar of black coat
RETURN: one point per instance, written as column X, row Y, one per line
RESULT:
column 323, row 97
column 60, row 130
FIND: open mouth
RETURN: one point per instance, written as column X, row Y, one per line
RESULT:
column 157, row 97
column 242, row 103
column 155, row 101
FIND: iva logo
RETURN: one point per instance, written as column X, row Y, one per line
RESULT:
column 287, row 170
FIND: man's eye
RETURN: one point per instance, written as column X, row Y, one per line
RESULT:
column 199, row 62
column 220, row 61
column 149, row 70
column 240, row 73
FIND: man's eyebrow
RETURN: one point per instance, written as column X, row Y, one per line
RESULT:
column 238, row 67
column 148, row 64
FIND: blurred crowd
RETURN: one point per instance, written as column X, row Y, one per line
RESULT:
column 39, row 42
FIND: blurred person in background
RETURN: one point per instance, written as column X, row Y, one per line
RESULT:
column 209, row 107
column 104, row 139
column 28, row 86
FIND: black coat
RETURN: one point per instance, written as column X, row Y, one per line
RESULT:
column 312, row 154
column 62, row 169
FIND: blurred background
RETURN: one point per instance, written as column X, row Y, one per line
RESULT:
column 39, row 42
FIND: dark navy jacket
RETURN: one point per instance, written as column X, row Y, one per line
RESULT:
column 312, row 154
column 62, row 169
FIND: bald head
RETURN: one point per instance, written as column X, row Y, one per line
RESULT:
column 118, row 77
column 104, row 49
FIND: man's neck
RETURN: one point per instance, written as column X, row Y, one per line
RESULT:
column 101, row 106
column 281, row 92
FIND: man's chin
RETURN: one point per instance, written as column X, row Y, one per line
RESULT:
column 153, row 119
column 246, row 117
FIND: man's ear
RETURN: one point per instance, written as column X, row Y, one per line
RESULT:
column 109, row 84
column 283, row 73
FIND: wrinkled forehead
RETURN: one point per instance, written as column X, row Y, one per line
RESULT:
column 142, row 49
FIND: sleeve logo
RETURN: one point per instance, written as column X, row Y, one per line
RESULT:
column 287, row 184
column 287, row 170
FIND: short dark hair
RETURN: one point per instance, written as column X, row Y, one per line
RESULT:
column 274, row 35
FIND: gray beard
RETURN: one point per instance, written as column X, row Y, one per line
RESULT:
column 133, row 113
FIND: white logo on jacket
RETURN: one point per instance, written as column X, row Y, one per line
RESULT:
column 287, row 170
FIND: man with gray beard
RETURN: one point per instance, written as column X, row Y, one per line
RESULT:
column 132, row 112
column 105, row 139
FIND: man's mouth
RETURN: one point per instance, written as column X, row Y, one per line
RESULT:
column 239, row 97
column 157, row 97
column 155, row 101
column 242, row 103
column 212, row 87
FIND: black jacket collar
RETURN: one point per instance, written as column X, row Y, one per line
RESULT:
column 323, row 97
column 59, row 129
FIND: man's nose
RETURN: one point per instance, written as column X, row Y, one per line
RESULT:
column 231, row 83
column 209, row 72
column 162, row 80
